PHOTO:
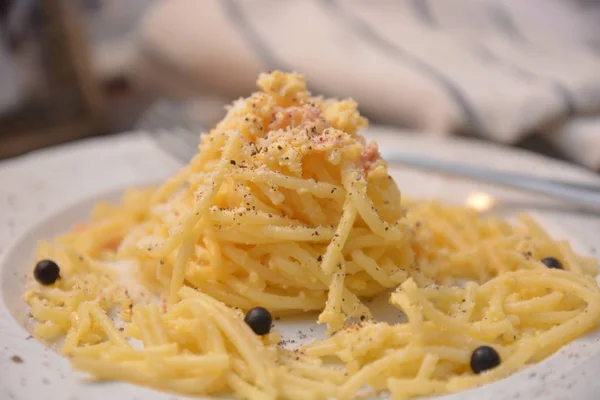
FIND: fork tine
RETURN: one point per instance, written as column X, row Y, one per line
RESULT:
column 187, row 137
column 172, row 129
column 174, row 144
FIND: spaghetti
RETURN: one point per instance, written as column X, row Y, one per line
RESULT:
column 287, row 207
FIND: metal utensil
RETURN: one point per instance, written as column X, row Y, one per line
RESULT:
column 580, row 194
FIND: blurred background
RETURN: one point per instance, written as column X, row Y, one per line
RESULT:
column 520, row 73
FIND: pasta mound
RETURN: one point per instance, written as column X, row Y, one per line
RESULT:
column 287, row 207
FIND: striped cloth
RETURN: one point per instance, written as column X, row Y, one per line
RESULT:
column 499, row 69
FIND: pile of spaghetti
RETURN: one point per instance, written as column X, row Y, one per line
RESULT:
column 288, row 208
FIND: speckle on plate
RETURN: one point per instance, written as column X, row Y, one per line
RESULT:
column 16, row 359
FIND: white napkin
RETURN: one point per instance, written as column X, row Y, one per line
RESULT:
column 500, row 69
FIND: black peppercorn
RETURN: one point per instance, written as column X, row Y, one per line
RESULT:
column 259, row 319
column 552, row 262
column 46, row 272
column 484, row 358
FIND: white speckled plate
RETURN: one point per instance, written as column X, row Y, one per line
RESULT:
column 44, row 193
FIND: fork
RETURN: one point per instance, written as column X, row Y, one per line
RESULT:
column 584, row 195
column 179, row 135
